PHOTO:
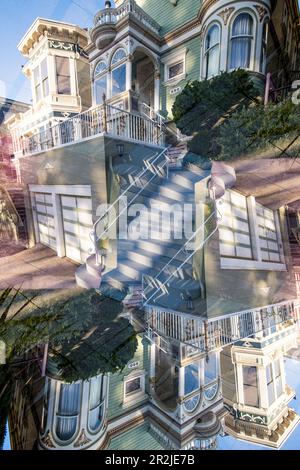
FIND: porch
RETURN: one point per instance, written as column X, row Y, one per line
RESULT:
column 103, row 119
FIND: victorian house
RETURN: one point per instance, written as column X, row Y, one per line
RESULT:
column 100, row 128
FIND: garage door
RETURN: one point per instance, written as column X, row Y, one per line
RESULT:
column 77, row 225
column 45, row 219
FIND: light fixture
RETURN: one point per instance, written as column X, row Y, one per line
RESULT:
column 120, row 148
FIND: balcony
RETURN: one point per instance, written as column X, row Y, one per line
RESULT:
column 104, row 30
column 101, row 120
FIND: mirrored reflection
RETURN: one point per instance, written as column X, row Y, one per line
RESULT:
column 102, row 382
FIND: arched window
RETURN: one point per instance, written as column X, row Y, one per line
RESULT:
column 241, row 41
column 100, row 84
column 212, row 51
column 118, row 72
column 68, row 411
column 263, row 55
column 96, row 403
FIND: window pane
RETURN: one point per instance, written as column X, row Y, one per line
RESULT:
column 133, row 386
column 46, row 87
column 176, row 69
column 212, row 62
column 211, row 368
column 100, row 67
column 119, row 55
column 234, row 231
column 250, row 386
column 68, row 410
column 212, row 38
column 191, row 378
column 36, row 75
column 240, row 43
column 63, row 75
column 44, row 69
column 240, row 53
column 267, row 234
column 242, row 25
column 119, row 80
column 100, row 89
column 38, row 92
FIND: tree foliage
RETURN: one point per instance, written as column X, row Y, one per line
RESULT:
column 202, row 108
column 259, row 127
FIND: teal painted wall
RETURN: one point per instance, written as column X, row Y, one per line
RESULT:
column 192, row 48
column 116, row 407
column 168, row 16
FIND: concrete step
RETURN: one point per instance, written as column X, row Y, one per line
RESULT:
column 85, row 279
column 92, row 267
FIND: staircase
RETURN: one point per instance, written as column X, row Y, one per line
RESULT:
column 161, row 185
column 17, row 197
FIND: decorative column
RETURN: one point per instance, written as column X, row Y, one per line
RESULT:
column 52, row 75
column 129, row 72
column 157, row 90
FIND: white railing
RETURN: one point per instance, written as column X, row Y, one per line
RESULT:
column 153, row 167
column 215, row 333
column 128, row 7
column 103, row 119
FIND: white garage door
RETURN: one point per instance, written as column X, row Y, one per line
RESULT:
column 45, row 219
column 77, row 225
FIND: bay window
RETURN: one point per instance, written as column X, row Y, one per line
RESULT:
column 100, row 82
column 63, row 77
column 241, row 41
column 118, row 72
column 212, row 51
column 68, row 410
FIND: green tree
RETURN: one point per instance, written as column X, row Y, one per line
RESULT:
column 202, row 108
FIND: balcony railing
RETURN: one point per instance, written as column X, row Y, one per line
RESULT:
column 103, row 119
column 218, row 332
column 128, row 7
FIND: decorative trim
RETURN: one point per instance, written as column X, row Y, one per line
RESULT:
column 262, row 11
column 82, row 439
column 225, row 14
column 67, row 46
column 47, row 441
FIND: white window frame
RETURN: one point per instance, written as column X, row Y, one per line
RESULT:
column 170, row 61
column 257, row 262
column 139, row 394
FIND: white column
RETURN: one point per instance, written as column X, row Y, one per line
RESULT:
column 129, row 73
column 109, row 85
column 157, row 91
column 52, row 75
column 240, row 384
column 73, row 78
column 253, row 224
column 181, row 382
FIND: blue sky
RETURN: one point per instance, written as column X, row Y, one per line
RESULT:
column 16, row 16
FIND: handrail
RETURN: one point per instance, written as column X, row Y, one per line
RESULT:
column 162, row 285
column 93, row 234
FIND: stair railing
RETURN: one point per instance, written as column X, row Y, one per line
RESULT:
column 155, row 169
column 161, row 286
